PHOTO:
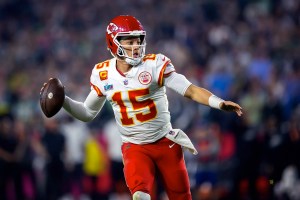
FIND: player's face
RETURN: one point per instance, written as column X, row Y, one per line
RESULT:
column 131, row 46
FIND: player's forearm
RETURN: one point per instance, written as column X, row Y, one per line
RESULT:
column 198, row 94
column 180, row 84
column 78, row 110
column 203, row 96
column 84, row 111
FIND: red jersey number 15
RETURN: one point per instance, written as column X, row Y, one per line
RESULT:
column 141, row 116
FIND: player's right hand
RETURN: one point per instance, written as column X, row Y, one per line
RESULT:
column 231, row 107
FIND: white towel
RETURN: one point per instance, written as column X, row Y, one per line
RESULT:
column 179, row 137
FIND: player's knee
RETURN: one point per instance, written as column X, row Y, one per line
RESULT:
column 138, row 195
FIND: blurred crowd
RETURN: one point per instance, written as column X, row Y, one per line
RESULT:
column 241, row 50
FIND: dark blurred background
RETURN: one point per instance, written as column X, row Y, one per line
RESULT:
column 241, row 50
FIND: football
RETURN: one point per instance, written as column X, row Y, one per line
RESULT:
column 52, row 97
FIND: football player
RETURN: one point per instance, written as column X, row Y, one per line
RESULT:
column 135, row 85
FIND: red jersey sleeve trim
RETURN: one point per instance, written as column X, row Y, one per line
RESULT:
column 168, row 74
column 97, row 90
column 161, row 74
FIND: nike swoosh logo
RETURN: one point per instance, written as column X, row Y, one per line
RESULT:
column 171, row 145
column 164, row 58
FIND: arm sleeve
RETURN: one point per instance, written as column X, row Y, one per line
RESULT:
column 177, row 82
column 87, row 110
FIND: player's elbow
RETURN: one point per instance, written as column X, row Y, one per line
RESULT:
column 190, row 92
column 85, row 115
column 88, row 117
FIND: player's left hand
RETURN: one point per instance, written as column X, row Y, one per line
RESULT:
column 231, row 107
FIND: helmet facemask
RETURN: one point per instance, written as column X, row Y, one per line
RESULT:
column 121, row 51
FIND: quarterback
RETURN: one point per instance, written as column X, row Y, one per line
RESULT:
column 135, row 85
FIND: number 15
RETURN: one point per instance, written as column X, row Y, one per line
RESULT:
column 137, row 105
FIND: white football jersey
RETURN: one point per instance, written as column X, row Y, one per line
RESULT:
column 138, row 98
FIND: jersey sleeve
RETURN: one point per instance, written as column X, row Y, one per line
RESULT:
column 96, row 83
column 164, row 68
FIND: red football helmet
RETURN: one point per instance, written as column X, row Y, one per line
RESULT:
column 127, row 26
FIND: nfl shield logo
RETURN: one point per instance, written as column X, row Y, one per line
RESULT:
column 125, row 82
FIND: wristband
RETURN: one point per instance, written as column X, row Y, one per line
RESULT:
column 214, row 101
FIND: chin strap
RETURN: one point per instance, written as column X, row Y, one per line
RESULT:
column 133, row 62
